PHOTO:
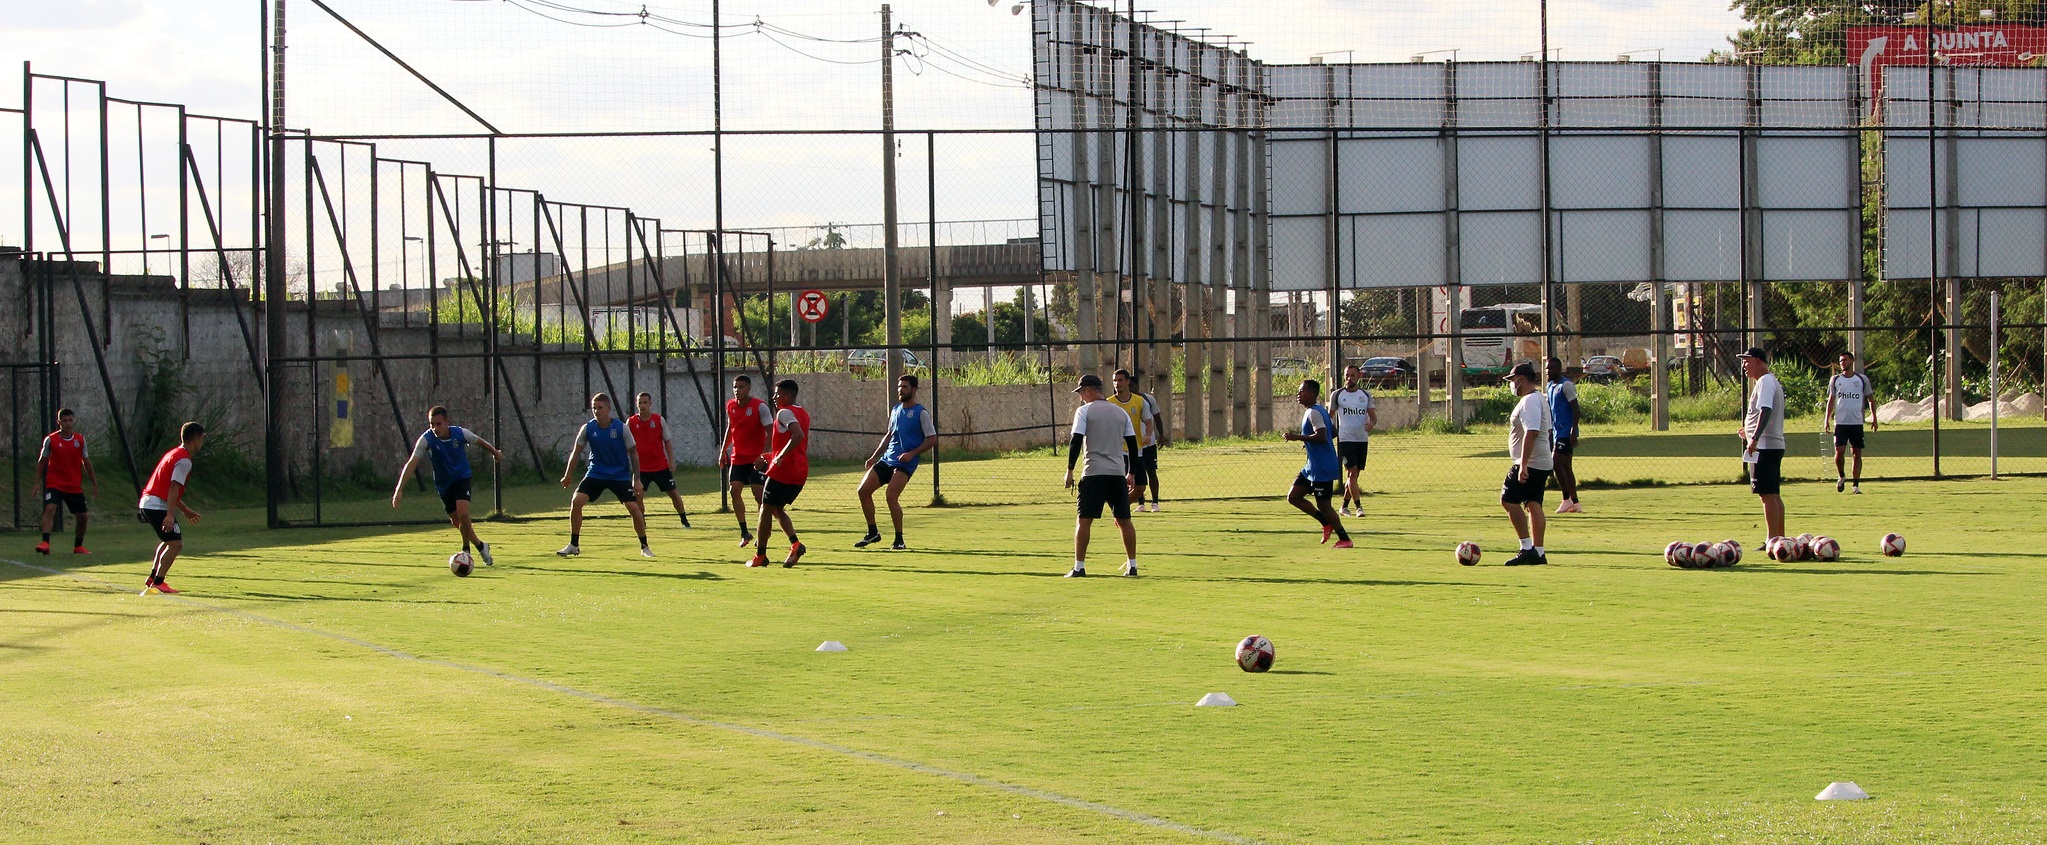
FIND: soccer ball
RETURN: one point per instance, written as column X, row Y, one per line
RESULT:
column 1781, row 550
column 1706, row 556
column 1467, row 553
column 1731, row 551
column 1894, row 545
column 1254, row 654
column 1678, row 554
column 1802, row 547
column 461, row 564
column 1824, row 548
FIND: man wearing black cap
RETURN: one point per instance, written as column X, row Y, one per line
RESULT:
column 1106, row 478
column 1762, row 438
column 1529, row 434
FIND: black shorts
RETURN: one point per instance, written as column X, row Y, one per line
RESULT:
column 456, row 492
column 1353, row 453
column 595, row 488
column 1149, row 459
column 780, row 494
column 885, row 473
column 1514, row 491
column 744, row 474
column 1099, row 490
column 1848, row 435
column 1322, row 489
column 1138, row 476
column 154, row 519
column 73, row 502
column 1766, row 475
column 662, row 478
column 1560, row 446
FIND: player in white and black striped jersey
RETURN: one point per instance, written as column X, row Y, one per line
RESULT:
column 1849, row 398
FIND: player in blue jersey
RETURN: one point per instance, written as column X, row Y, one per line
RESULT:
column 446, row 449
column 614, row 467
column 912, row 431
column 1318, row 434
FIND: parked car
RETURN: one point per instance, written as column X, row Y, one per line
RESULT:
column 877, row 359
column 1604, row 368
column 1387, row 371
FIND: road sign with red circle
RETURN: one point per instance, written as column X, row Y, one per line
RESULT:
column 812, row 305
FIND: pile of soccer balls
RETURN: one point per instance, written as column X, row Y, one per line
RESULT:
column 1804, row 547
column 1708, row 555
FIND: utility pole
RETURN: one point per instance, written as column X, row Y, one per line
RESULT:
column 892, row 281
column 273, row 275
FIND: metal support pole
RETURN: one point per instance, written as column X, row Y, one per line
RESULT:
column 273, row 266
column 1995, row 336
column 891, row 271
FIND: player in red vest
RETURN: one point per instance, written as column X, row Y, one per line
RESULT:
column 786, row 469
column 657, row 454
column 64, row 468
column 163, row 498
column 747, row 419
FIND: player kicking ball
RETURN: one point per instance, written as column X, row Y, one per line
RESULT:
column 614, row 467
column 1318, row 436
column 1530, row 431
column 1104, row 434
column 911, row 433
column 163, row 499
column 787, row 467
column 63, row 468
column 446, row 449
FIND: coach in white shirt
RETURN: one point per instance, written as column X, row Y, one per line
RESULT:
column 1762, row 438
column 1849, row 397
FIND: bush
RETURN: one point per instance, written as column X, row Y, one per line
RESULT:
column 1611, row 403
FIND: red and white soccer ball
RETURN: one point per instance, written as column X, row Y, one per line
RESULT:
column 1802, row 546
column 1467, row 553
column 461, row 564
column 1730, row 551
column 1826, row 548
column 1782, row 549
column 1706, row 556
column 1678, row 554
column 1254, row 654
column 1894, row 545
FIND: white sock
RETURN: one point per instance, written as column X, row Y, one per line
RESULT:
column 1527, row 544
column 1080, row 564
column 1132, row 563
column 1538, row 550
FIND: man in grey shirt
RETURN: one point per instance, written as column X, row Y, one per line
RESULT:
column 1106, row 477
column 1762, row 438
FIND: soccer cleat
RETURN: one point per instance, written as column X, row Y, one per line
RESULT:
column 80, row 550
column 43, row 548
column 1129, row 569
column 484, row 550
column 164, row 588
column 1343, row 544
column 745, row 539
column 1857, row 490
column 1840, row 484
column 796, row 551
column 899, row 545
column 646, row 552
column 1326, row 531
column 569, row 550
column 869, row 540
column 1077, row 572
column 1577, row 506
column 1154, row 507
column 758, row 560
column 685, row 523
column 1527, row 557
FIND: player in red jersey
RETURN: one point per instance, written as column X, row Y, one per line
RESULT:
column 747, row 420
column 163, row 498
column 787, row 469
column 657, row 454
column 63, row 469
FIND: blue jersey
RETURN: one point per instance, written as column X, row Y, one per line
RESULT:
column 608, row 447
column 1322, row 462
column 1561, row 393
column 908, row 426
column 450, row 457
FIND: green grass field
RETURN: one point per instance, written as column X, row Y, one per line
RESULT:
column 338, row 685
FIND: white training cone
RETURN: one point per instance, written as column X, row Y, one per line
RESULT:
column 1216, row 699
column 1842, row 790
column 832, row 645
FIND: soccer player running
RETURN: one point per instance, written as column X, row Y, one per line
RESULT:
column 657, row 453
column 1848, row 398
column 747, row 420
column 1530, row 433
column 1355, row 419
column 446, row 449
column 1762, row 438
column 614, row 466
column 1562, row 395
column 1318, row 435
column 62, row 469
column 1106, row 477
column 1134, row 406
column 786, row 469
column 163, row 499
column 912, row 431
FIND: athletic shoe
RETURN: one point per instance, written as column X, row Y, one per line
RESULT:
column 1343, row 544
column 1077, row 572
column 685, row 523
column 1129, row 569
column 1154, row 507
column 1839, row 484
column 869, row 540
column 568, row 550
column 899, row 545
column 483, row 550
column 1858, row 490
column 80, row 550
column 43, row 548
column 796, row 551
column 1527, row 557
column 758, row 561
column 1577, row 506
column 745, row 539
column 1326, row 531
column 164, row 588
column 646, row 552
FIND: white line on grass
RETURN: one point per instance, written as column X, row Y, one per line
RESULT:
column 676, row 715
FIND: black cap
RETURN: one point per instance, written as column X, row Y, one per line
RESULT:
column 1755, row 352
column 1524, row 370
column 1089, row 380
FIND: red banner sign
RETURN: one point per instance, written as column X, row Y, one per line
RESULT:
column 1872, row 48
